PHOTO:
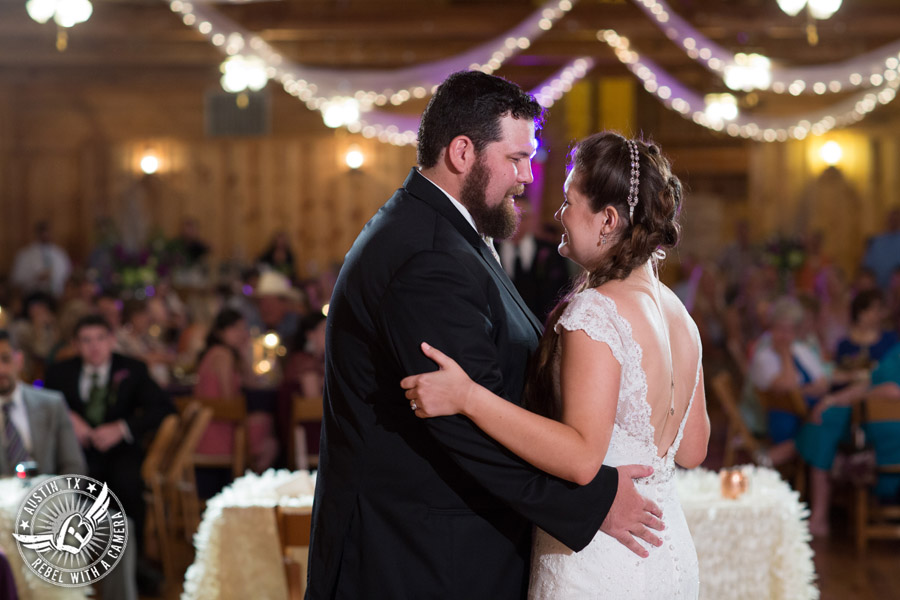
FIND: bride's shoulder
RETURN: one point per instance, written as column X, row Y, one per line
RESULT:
column 591, row 298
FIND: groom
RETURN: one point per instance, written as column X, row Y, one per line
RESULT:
column 410, row 508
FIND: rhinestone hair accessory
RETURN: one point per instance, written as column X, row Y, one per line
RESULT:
column 635, row 177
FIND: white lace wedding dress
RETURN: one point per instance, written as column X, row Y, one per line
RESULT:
column 605, row 568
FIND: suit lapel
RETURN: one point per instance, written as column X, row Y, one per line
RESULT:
column 419, row 186
column 500, row 275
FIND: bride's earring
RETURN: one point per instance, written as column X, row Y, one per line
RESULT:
column 602, row 238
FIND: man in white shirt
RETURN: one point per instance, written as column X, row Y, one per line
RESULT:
column 42, row 266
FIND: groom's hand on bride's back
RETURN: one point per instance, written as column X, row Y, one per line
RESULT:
column 632, row 516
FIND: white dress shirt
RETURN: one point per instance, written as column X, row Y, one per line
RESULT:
column 462, row 209
column 489, row 242
column 18, row 414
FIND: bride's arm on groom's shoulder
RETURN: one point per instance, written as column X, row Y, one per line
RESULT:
column 572, row 449
column 692, row 451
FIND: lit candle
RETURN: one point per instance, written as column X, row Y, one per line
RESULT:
column 734, row 483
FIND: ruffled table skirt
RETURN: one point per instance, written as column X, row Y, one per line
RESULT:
column 238, row 554
column 756, row 546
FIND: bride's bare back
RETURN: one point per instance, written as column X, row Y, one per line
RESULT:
column 663, row 329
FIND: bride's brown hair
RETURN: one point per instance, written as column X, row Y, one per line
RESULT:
column 602, row 172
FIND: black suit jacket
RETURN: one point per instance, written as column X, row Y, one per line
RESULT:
column 137, row 398
column 410, row 508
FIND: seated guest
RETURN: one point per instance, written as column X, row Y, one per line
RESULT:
column 279, row 257
column 220, row 374
column 43, row 433
column 885, row 436
column 867, row 340
column 139, row 340
column 39, row 419
column 304, row 374
column 36, row 333
column 115, row 408
column 784, row 363
column 41, row 266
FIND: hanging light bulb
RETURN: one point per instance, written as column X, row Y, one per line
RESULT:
column 791, row 7
column 72, row 12
column 340, row 111
column 240, row 73
column 66, row 13
column 41, row 10
column 720, row 107
column 823, row 9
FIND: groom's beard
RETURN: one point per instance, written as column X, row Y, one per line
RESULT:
column 499, row 222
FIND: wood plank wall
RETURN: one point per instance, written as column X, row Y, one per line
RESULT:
column 70, row 147
column 74, row 157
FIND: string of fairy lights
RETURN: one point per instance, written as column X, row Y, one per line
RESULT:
column 251, row 62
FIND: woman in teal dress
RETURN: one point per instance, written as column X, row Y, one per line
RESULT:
column 885, row 436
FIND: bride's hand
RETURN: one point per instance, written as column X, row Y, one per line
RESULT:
column 439, row 393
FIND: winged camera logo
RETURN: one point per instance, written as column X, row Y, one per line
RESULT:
column 71, row 530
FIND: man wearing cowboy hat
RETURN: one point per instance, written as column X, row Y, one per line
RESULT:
column 277, row 304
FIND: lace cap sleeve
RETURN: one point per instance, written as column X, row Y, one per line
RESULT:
column 596, row 315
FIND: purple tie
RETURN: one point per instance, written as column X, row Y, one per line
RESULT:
column 15, row 449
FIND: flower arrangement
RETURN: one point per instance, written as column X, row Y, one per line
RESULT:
column 135, row 271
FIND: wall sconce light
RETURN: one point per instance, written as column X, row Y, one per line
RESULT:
column 831, row 153
column 149, row 163
column 354, row 157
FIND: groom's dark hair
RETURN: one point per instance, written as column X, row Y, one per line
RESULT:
column 471, row 103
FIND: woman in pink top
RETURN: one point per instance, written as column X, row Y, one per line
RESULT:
column 219, row 374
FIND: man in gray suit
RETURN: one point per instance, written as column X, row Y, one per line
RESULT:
column 42, row 432
column 40, row 418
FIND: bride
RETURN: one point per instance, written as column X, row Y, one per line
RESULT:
column 617, row 379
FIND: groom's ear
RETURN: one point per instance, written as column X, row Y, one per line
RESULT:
column 460, row 154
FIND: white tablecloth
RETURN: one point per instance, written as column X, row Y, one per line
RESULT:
column 238, row 551
column 28, row 585
column 755, row 547
column 752, row 548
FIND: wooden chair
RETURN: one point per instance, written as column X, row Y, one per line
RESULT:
column 738, row 435
column 793, row 403
column 294, row 524
column 790, row 402
column 304, row 410
column 153, row 473
column 180, row 482
column 873, row 520
column 234, row 412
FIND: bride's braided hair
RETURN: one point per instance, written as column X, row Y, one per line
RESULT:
column 602, row 165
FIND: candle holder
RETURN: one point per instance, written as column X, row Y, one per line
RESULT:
column 734, row 483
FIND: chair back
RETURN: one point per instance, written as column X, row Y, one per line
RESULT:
column 726, row 393
column 307, row 408
column 873, row 519
column 161, row 448
column 194, row 421
column 225, row 410
column 879, row 409
column 304, row 409
column 294, row 524
column 157, row 458
column 790, row 402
